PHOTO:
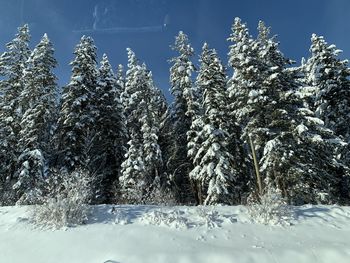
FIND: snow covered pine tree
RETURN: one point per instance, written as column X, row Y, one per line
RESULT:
column 143, row 159
column 77, row 114
column 12, row 64
column 299, row 162
column 108, row 146
column 38, row 102
column 217, row 170
column 183, row 111
column 329, row 76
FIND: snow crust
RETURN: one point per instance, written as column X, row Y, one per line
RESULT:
column 134, row 234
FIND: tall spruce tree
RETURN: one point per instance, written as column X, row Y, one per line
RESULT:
column 76, row 123
column 275, row 120
column 245, row 82
column 150, row 122
column 217, row 169
column 306, row 148
column 108, row 144
column 184, row 111
column 143, row 159
column 329, row 76
column 38, row 100
column 12, row 64
column 243, row 89
column 301, row 155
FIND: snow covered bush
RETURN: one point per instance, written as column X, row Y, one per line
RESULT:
column 121, row 217
column 209, row 217
column 66, row 202
column 271, row 209
column 172, row 219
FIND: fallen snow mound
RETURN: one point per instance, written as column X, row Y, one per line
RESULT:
column 136, row 234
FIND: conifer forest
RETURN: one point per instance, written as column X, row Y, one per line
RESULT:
column 224, row 138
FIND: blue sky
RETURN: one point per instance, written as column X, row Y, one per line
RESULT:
column 139, row 24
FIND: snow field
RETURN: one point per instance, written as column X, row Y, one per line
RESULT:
column 133, row 234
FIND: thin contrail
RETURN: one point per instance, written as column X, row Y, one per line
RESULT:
column 115, row 30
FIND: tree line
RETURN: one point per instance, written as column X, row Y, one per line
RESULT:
column 117, row 129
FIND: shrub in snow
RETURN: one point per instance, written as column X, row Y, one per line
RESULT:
column 271, row 209
column 121, row 217
column 66, row 202
column 209, row 217
column 172, row 219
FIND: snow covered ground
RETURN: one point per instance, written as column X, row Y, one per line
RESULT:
column 136, row 234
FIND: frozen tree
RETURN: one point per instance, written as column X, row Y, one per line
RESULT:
column 78, row 112
column 107, row 151
column 132, row 182
column 216, row 169
column 38, row 100
column 132, row 94
column 246, row 99
column 39, row 81
column 274, row 116
column 30, row 177
column 329, row 77
column 300, row 153
column 12, row 64
column 143, row 159
column 245, row 82
column 302, row 160
column 183, row 113
column 150, row 122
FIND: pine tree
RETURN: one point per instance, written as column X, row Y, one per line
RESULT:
column 300, row 153
column 244, row 88
column 108, row 144
column 38, row 101
column 75, row 132
column 245, row 82
column 38, row 98
column 184, row 111
column 277, row 122
column 329, row 76
column 216, row 168
column 12, row 64
column 131, row 93
column 132, row 182
column 143, row 159
column 150, row 128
